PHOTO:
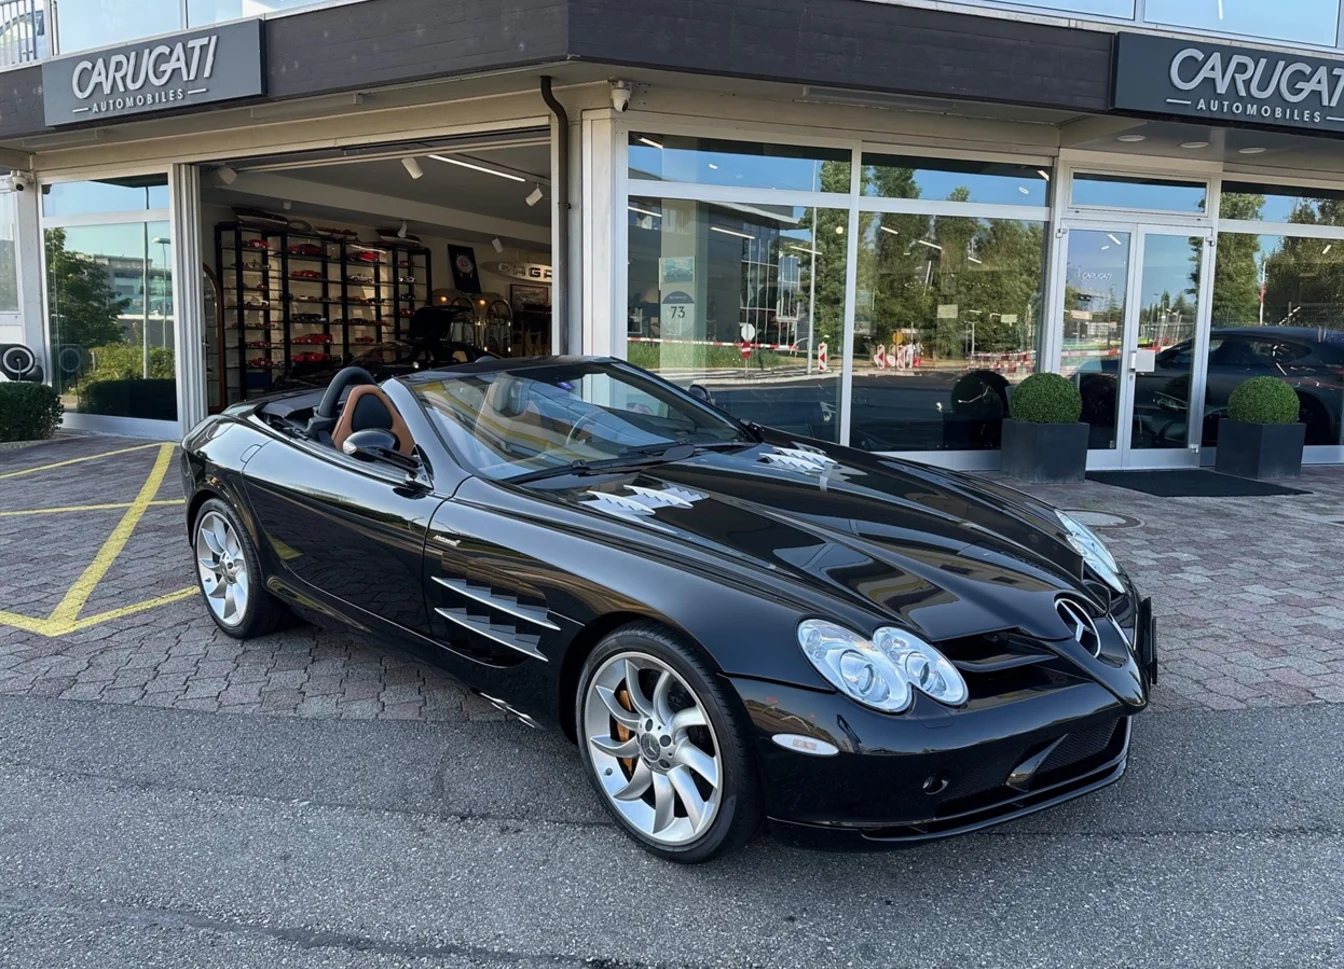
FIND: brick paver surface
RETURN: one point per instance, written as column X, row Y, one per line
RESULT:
column 1250, row 610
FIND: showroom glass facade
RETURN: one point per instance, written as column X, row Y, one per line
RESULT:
column 9, row 253
column 108, row 254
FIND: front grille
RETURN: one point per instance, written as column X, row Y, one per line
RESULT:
column 1078, row 746
column 1004, row 666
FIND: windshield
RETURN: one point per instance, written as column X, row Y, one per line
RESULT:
column 505, row 424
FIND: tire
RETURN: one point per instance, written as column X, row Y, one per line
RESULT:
column 637, row 772
column 227, row 561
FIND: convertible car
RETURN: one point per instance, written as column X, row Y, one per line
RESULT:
column 735, row 625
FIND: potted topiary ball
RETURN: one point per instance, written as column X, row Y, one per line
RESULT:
column 1043, row 439
column 1261, row 436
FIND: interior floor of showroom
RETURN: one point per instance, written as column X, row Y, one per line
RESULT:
column 307, row 799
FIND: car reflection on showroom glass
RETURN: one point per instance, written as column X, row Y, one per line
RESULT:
column 506, row 425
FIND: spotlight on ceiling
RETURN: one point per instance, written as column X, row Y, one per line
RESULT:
column 401, row 232
column 534, row 196
column 1194, row 144
column 226, row 174
column 1251, row 151
column 1132, row 138
column 412, row 167
column 499, row 246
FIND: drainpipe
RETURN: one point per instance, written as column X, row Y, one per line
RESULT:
column 559, row 280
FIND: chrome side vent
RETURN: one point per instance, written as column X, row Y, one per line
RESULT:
column 509, row 634
column 536, row 615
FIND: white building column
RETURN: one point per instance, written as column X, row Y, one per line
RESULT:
column 184, row 185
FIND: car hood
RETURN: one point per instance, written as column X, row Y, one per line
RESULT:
column 947, row 554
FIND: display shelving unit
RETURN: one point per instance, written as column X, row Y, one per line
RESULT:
column 304, row 297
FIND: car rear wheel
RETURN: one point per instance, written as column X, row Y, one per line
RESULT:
column 229, row 573
column 663, row 747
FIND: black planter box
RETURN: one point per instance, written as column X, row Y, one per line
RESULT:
column 1044, row 452
column 1260, row 450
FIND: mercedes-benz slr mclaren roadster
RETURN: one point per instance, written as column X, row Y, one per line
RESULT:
column 736, row 626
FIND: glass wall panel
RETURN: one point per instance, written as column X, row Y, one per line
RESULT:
column 136, row 194
column 1168, row 316
column 946, row 322
column 1151, row 194
column 1278, row 310
column 740, row 164
column 1308, row 21
column 1095, row 280
column 110, row 315
column 9, row 270
column 1123, row 9
column 201, row 13
column 1279, row 203
column 85, row 24
column 745, row 301
column 894, row 176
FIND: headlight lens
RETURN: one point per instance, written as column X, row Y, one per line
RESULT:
column 1093, row 551
column 882, row 672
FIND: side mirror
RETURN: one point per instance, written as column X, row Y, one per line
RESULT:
column 378, row 444
column 700, row 393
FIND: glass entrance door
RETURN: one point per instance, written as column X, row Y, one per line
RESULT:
column 1134, row 334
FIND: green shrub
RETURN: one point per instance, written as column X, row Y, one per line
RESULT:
column 28, row 412
column 1046, row 398
column 1264, row 400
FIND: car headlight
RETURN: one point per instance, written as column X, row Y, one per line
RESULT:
column 1093, row 551
column 881, row 672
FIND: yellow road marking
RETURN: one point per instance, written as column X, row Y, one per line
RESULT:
column 111, row 614
column 91, row 457
column 70, row 508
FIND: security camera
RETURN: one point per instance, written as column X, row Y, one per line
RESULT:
column 18, row 183
column 620, row 94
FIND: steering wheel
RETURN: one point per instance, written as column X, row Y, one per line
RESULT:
column 584, row 418
column 324, row 417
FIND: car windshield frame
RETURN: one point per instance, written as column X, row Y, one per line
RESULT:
column 559, row 416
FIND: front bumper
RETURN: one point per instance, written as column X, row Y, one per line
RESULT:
column 934, row 772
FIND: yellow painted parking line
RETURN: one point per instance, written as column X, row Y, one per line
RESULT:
column 72, row 508
column 118, row 613
column 91, row 457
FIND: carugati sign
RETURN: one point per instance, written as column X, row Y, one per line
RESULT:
column 198, row 67
column 1218, row 83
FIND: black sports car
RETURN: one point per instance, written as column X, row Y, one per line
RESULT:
column 733, row 624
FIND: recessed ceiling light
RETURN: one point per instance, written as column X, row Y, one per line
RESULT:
column 731, row 232
column 1024, row 190
column 477, row 168
column 651, row 143
column 1132, row 138
column 885, row 229
column 714, row 166
column 1194, row 144
column 1252, row 151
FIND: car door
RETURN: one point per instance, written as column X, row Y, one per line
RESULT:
column 352, row 530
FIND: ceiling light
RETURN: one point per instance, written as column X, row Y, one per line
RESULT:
column 226, row 174
column 1043, row 173
column 805, row 249
column 1024, row 190
column 499, row 246
column 651, row 143
column 714, row 166
column 730, row 232
column 401, row 232
column 534, row 196
column 839, row 230
column 1114, row 239
column 1327, row 248
column 1104, row 248
column 978, row 262
column 931, row 245
column 650, row 213
column 1132, row 138
column 478, row 168
column 1194, row 144
column 412, row 167
column 885, row 229
column 1252, row 151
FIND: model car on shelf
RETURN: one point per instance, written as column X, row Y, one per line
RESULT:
column 360, row 280
column 735, row 626
column 307, row 249
column 256, row 244
column 312, row 338
column 306, row 274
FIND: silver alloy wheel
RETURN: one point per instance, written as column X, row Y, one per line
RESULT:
column 223, row 568
column 659, row 765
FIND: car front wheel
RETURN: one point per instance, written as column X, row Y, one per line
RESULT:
column 663, row 747
column 229, row 573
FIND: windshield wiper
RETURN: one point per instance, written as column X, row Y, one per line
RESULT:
column 629, row 459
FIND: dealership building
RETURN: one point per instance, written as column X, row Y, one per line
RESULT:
column 860, row 221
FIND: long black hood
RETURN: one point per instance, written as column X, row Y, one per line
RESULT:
column 947, row 554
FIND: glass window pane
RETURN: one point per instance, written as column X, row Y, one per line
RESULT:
column 1280, row 203
column 1278, row 310
column 85, row 24
column 946, row 322
column 1153, row 194
column 9, row 273
column 1123, row 9
column 895, row 176
column 1168, row 311
column 135, row 194
column 110, row 314
column 745, row 301
column 1309, row 21
column 203, row 12
column 1095, row 277
column 741, row 164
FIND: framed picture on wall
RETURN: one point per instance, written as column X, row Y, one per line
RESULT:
column 526, row 297
column 463, row 261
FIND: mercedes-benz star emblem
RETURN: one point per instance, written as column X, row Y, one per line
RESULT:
column 1080, row 624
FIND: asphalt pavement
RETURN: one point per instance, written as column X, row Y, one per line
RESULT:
column 134, row 837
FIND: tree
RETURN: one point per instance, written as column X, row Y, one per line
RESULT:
column 1304, row 283
column 85, row 309
column 823, row 231
column 1236, row 274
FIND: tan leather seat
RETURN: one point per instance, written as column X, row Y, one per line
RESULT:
column 368, row 406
